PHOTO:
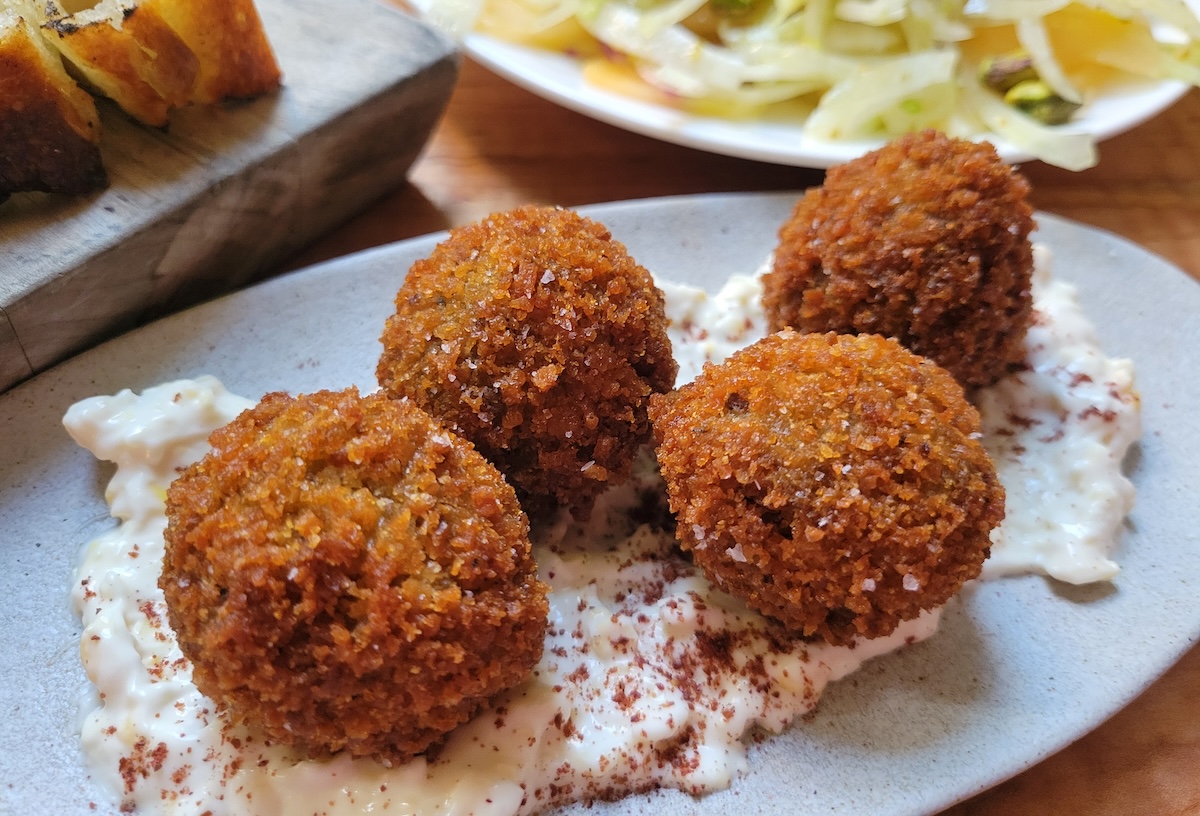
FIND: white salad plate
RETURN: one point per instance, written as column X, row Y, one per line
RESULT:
column 559, row 78
column 1020, row 667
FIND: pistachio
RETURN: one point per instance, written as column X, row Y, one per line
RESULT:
column 1003, row 73
column 1035, row 98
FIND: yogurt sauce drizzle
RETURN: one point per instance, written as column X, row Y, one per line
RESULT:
column 650, row 677
column 1058, row 432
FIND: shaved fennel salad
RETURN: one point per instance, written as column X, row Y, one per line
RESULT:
column 863, row 69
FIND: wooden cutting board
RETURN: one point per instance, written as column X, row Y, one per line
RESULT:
column 220, row 197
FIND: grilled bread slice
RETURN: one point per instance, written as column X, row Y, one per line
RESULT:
column 126, row 51
column 236, row 61
column 148, row 56
column 49, row 129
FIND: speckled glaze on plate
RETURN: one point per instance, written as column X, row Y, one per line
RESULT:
column 1020, row 667
column 559, row 78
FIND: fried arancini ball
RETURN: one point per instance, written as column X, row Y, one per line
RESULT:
column 833, row 482
column 925, row 240
column 536, row 336
column 346, row 574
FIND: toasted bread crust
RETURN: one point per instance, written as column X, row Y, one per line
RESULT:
column 149, row 56
column 236, row 61
column 49, row 128
column 138, row 60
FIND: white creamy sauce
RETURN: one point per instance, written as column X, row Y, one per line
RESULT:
column 651, row 677
column 1058, row 432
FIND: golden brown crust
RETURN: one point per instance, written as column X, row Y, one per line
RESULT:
column 925, row 240
column 236, row 61
column 49, row 128
column 136, row 59
column 346, row 574
column 832, row 482
column 149, row 56
column 537, row 337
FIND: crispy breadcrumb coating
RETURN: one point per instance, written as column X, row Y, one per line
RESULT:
column 833, row 482
column 925, row 240
column 536, row 336
column 346, row 574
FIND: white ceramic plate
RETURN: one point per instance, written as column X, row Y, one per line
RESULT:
column 1020, row 668
column 559, row 78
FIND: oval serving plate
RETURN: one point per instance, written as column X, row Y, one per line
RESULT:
column 1020, row 668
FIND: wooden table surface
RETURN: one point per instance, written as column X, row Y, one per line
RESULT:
column 499, row 146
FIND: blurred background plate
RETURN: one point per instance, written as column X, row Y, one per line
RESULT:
column 227, row 191
column 559, row 78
